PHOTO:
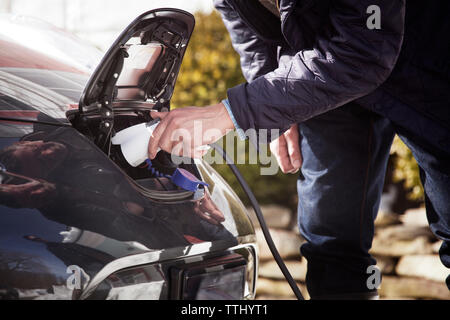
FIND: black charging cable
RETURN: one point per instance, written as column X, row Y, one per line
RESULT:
column 261, row 220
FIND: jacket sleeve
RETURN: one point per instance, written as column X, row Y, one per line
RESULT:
column 256, row 56
column 347, row 61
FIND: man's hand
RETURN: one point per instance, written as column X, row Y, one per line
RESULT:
column 185, row 131
column 287, row 150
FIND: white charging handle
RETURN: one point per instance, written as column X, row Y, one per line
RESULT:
column 134, row 141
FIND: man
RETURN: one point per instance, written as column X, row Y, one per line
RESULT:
column 339, row 84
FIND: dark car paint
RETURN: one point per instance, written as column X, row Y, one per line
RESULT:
column 92, row 195
column 64, row 203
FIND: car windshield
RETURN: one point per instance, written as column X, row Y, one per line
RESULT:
column 42, row 68
column 67, row 84
column 44, row 38
column 46, row 91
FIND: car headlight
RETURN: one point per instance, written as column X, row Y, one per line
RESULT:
column 221, row 278
column 229, row 277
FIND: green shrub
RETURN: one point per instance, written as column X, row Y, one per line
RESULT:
column 406, row 169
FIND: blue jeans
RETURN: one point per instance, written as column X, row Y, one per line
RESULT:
column 345, row 154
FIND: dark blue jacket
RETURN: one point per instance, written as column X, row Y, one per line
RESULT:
column 322, row 55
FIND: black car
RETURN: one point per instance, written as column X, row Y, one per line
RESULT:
column 76, row 220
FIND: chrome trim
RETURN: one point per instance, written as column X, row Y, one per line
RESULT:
column 159, row 256
column 256, row 262
column 253, row 247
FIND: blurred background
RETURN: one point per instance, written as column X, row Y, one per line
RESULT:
column 404, row 247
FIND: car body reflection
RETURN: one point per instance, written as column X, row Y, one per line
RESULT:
column 58, row 174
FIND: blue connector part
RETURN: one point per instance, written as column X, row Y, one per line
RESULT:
column 186, row 180
column 181, row 178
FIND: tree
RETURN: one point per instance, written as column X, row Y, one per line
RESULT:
column 210, row 64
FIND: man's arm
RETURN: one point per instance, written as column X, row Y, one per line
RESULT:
column 257, row 57
column 348, row 62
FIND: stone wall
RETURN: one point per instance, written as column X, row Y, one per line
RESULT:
column 404, row 247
